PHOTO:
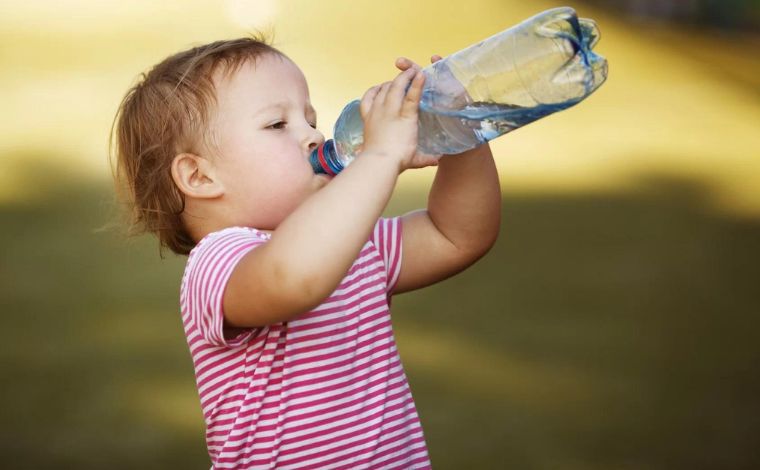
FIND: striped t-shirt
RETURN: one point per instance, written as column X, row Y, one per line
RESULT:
column 323, row 391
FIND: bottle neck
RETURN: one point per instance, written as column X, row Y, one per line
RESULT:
column 324, row 159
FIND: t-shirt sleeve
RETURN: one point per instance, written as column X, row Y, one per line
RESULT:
column 387, row 239
column 208, row 270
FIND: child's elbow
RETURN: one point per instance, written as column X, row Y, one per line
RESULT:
column 478, row 246
column 486, row 242
column 486, row 238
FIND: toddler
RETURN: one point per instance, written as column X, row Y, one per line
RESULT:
column 286, row 292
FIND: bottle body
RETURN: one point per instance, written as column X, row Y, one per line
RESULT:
column 543, row 65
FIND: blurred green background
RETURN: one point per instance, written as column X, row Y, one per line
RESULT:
column 613, row 325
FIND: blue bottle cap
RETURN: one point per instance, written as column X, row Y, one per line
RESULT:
column 323, row 159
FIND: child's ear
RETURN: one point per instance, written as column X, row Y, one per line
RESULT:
column 195, row 176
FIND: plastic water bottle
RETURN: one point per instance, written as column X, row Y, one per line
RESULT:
column 543, row 65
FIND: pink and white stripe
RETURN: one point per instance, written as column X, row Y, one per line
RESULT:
column 324, row 391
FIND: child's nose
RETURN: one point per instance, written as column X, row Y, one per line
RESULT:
column 315, row 139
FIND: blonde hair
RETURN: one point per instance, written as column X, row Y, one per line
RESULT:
column 164, row 114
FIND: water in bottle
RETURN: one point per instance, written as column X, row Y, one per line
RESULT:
column 543, row 65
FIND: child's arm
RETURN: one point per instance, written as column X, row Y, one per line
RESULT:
column 313, row 248
column 461, row 222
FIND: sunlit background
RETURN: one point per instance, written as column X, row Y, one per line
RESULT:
column 613, row 326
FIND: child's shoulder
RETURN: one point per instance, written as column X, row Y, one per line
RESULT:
column 220, row 250
column 228, row 237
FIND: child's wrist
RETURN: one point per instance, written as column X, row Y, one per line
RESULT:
column 383, row 158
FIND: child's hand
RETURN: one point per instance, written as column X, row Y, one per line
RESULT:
column 390, row 119
column 402, row 63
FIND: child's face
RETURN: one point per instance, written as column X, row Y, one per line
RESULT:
column 263, row 127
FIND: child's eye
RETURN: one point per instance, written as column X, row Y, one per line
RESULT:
column 281, row 124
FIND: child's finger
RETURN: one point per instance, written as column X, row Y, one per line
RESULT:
column 402, row 63
column 367, row 100
column 400, row 84
column 380, row 98
column 435, row 58
column 412, row 100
